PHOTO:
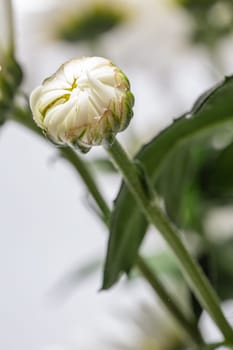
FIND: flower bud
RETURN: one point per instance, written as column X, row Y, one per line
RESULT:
column 86, row 102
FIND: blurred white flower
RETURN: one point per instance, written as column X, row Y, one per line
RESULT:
column 80, row 20
column 153, row 329
column 86, row 101
column 89, row 20
column 208, row 328
column 134, row 24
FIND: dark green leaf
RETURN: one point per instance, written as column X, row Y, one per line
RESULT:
column 223, row 261
column 181, row 193
column 212, row 112
column 217, row 261
column 217, row 176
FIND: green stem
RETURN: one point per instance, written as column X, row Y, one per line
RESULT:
column 23, row 117
column 85, row 173
column 7, row 45
column 195, row 277
column 174, row 310
column 148, row 274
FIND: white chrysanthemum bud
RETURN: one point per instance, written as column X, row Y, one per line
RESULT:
column 84, row 103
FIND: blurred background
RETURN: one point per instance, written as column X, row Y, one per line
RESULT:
column 171, row 50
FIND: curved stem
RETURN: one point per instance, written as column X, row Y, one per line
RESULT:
column 85, row 173
column 189, row 327
column 146, row 200
column 23, row 117
column 174, row 310
column 7, row 32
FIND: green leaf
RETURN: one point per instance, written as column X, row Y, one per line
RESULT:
column 217, row 261
column 217, row 177
column 212, row 112
column 222, row 255
column 181, row 192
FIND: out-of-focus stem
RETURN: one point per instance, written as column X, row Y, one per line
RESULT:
column 85, row 173
column 7, row 44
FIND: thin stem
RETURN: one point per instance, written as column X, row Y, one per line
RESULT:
column 146, row 200
column 85, row 174
column 160, row 290
column 7, row 32
column 23, row 117
column 146, row 271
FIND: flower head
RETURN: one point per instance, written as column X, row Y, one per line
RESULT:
column 83, row 103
